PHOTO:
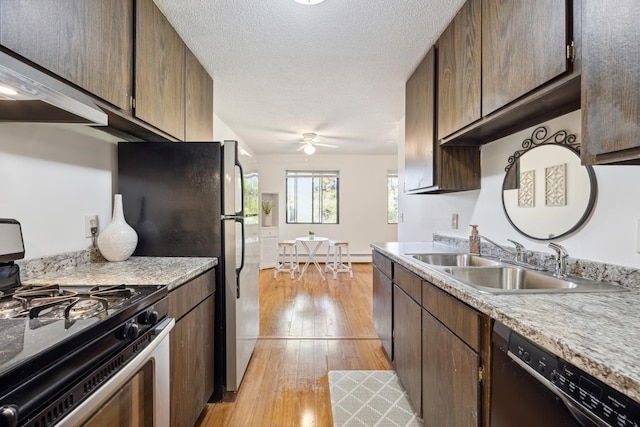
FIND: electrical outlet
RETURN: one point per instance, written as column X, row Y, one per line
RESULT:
column 89, row 221
column 454, row 221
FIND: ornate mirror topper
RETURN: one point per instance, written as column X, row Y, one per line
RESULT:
column 539, row 137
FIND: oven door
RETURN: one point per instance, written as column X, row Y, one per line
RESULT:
column 138, row 395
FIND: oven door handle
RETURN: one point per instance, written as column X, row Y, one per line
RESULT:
column 158, row 350
column 581, row 415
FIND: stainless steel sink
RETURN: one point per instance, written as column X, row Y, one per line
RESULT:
column 506, row 279
column 455, row 260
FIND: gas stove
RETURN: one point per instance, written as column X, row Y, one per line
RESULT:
column 55, row 337
column 67, row 349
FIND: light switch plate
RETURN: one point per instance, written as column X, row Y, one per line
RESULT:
column 454, row 221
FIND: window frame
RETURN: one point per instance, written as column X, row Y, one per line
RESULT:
column 392, row 174
column 313, row 174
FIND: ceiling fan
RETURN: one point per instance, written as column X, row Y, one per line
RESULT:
column 309, row 143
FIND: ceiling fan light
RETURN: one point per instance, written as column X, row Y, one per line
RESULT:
column 309, row 149
column 309, row 2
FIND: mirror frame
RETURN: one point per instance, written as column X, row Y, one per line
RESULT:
column 563, row 138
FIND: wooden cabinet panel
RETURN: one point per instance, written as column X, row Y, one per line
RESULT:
column 450, row 386
column 192, row 363
column 187, row 296
column 383, row 264
column 199, row 101
column 459, row 49
column 430, row 168
column 89, row 43
column 192, row 348
column 160, row 66
column 383, row 310
column 419, row 125
column 463, row 320
column 407, row 348
column 611, row 81
column 408, row 282
column 523, row 47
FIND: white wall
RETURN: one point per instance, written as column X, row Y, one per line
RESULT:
column 51, row 176
column 610, row 235
column 363, row 196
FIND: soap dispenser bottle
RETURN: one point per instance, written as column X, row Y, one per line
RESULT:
column 474, row 240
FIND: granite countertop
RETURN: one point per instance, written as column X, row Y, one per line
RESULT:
column 597, row 332
column 170, row 271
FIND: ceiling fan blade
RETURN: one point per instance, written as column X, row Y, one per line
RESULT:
column 319, row 144
column 301, row 147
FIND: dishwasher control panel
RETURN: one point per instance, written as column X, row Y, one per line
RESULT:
column 610, row 406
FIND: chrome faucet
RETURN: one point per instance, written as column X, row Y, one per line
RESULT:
column 561, row 259
column 521, row 254
column 503, row 249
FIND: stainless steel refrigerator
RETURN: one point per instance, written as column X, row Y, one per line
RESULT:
column 201, row 199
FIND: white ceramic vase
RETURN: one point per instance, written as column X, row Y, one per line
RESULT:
column 267, row 222
column 118, row 241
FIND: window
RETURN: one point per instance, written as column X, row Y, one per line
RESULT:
column 392, row 198
column 312, row 197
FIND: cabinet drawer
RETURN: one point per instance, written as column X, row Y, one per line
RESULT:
column 189, row 295
column 461, row 319
column 269, row 232
column 408, row 282
column 383, row 264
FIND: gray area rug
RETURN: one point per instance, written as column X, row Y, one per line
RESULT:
column 370, row 398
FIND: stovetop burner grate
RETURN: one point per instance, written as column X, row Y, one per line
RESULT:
column 52, row 302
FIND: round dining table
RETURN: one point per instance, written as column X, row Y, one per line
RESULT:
column 311, row 246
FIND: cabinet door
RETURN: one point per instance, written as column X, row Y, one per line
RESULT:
column 159, row 77
column 89, row 43
column 610, row 80
column 459, row 50
column 523, row 46
column 199, row 101
column 406, row 344
column 268, row 252
column 450, row 385
column 419, row 123
column 192, row 363
column 383, row 310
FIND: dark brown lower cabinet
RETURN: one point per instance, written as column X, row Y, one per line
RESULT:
column 450, row 369
column 192, row 305
column 407, row 344
column 383, row 310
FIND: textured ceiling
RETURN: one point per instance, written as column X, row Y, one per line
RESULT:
column 337, row 68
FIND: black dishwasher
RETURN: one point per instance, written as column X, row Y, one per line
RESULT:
column 531, row 387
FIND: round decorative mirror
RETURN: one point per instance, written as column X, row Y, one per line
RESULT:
column 546, row 192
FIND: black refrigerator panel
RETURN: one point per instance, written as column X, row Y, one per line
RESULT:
column 171, row 196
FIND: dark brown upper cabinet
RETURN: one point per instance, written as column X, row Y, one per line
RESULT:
column 160, row 68
column 530, row 68
column 524, row 45
column 199, row 101
column 88, row 43
column 459, row 67
column 430, row 168
column 611, row 82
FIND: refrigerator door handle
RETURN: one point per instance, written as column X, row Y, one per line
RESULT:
column 242, row 256
column 241, row 213
column 240, row 219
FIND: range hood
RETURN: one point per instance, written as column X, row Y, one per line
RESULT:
column 41, row 98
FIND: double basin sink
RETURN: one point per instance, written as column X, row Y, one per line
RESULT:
column 495, row 276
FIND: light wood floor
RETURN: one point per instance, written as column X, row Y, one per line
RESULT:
column 307, row 328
